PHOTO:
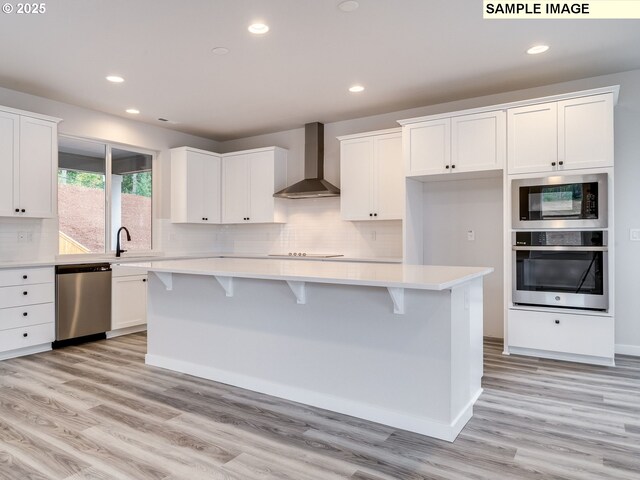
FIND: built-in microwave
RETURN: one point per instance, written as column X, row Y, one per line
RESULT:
column 571, row 201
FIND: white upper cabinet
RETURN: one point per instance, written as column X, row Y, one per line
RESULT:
column 532, row 143
column 464, row 143
column 9, row 143
column 585, row 132
column 564, row 135
column 478, row 142
column 371, row 176
column 249, row 180
column 195, row 186
column 428, row 147
column 28, row 165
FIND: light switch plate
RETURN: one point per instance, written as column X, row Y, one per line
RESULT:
column 634, row 234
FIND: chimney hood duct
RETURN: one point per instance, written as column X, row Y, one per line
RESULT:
column 313, row 185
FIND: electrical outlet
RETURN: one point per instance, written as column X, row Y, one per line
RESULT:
column 634, row 234
column 25, row 237
column 471, row 235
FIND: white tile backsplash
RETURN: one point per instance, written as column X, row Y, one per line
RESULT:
column 40, row 239
column 313, row 226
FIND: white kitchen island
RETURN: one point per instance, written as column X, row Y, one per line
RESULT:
column 396, row 344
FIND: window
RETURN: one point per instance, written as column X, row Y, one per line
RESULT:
column 92, row 205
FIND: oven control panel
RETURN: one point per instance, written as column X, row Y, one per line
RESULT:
column 561, row 238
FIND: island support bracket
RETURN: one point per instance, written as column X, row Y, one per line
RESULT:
column 227, row 284
column 166, row 278
column 397, row 295
column 299, row 290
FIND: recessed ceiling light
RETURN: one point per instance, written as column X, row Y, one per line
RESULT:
column 356, row 89
column 115, row 79
column 538, row 49
column 220, row 51
column 133, row 111
column 348, row 6
column 259, row 28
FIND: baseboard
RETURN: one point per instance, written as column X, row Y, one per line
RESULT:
column 421, row 425
column 567, row 357
column 21, row 352
column 127, row 330
column 628, row 350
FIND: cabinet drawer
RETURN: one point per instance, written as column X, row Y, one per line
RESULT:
column 26, row 336
column 566, row 333
column 26, row 276
column 26, row 295
column 18, row 317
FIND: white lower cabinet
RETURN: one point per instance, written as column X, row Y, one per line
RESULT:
column 128, row 301
column 27, row 311
column 562, row 333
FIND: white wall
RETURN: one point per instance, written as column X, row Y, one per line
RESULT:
column 450, row 210
column 87, row 123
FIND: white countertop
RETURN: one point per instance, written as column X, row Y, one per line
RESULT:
column 423, row 277
column 172, row 256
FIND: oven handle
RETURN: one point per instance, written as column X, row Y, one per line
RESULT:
column 561, row 248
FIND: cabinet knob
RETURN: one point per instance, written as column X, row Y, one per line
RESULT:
column 24, row 277
column 25, row 334
column 557, row 322
column 553, row 164
column 17, row 210
column 375, row 214
column 447, row 167
column 23, row 210
column 144, row 279
column 560, row 162
column 453, row 166
column 371, row 214
column 24, row 293
column 24, row 314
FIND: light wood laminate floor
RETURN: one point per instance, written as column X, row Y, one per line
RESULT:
column 98, row 412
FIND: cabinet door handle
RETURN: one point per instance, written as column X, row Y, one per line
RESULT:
column 24, row 293
column 375, row 214
column 453, row 166
column 144, row 279
column 557, row 322
column 24, row 314
column 23, row 210
column 24, row 277
column 560, row 162
column 25, row 335
column 17, row 210
column 553, row 164
column 447, row 167
column 371, row 214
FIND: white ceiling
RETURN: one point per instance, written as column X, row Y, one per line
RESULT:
column 407, row 53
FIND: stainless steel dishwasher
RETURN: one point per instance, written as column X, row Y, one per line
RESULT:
column 83, row 302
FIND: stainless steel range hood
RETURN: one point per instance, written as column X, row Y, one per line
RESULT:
column 313, row 185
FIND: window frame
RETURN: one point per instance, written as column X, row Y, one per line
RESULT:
column 110, row 249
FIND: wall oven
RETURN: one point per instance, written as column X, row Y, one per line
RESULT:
column 573, row 201
column 561, row 269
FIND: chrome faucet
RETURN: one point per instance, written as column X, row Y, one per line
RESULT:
column 118, row 249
